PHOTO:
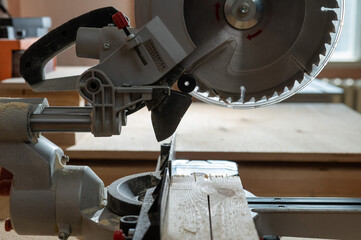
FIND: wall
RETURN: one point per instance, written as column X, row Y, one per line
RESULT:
column 61, row 11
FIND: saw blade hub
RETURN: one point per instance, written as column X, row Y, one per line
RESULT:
column 243, row 14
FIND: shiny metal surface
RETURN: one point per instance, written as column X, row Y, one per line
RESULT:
column 250, row 67
column 62, row 119
column 243, row 14
column 233, row 65
column 324, row 218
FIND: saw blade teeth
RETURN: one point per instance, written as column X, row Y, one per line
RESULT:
column 297, row 83
column 236, row 99
column 308, row 57
column 213, row 93
column 249, row 98
column 323, row 50
column 286, row 89
column 275, row 95
column 328, row 39
column 331, row 4
column 299, row 77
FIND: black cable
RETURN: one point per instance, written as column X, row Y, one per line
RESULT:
column 3, row 9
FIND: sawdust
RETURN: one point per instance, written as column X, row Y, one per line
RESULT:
column 4, row 107
column 14, row 122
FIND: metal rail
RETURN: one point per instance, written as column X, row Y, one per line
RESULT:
column 62, row 119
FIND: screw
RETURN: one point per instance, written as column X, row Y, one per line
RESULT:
column 64, row 159
column 106, row 45
column 244, row 9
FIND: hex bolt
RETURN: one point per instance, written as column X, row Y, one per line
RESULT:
column 244, row 8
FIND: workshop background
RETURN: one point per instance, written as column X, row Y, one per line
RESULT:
column 269, row 165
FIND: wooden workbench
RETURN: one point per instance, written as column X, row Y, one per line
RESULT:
column 13, row 236
column 283, row 150
column 284, row 132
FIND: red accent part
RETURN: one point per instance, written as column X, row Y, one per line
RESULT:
column 118, row 235
column 120, row 20
column 218, row 7
column 5, row 182
column 8, row 225
column 251, row 36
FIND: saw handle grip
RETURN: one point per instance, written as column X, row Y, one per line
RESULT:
column 34, row 59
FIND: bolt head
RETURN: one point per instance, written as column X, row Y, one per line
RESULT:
column 106, row 45
column 244, row 9
column 64, row 159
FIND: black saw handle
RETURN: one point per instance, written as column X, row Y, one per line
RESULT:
column 35, row 58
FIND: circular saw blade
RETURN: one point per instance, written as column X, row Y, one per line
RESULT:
column 259, row 65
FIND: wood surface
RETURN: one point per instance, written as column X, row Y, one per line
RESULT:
column 207, row 207
column 13, row 236
column 343, row 72
column 283, row 132
column 301, row 179
column 273, row 179
column 6, row 54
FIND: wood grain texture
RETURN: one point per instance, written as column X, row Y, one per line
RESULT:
column 283, row 132
column 188, row 215
column 4, row 208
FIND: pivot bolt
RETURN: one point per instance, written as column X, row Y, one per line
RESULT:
column 244, row 9
column 64, row 159
column 106, row 45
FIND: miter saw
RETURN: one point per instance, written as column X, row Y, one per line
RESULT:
column 233, row 53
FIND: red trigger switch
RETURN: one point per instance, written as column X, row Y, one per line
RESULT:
column 121, row 21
